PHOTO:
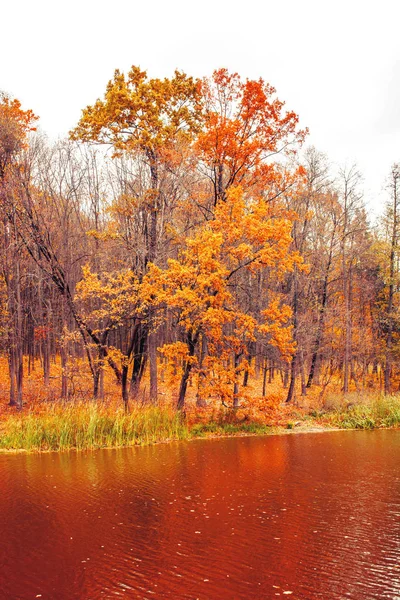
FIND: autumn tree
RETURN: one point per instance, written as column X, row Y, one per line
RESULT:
column 15, row 125
column 323, row 260
column 351, row 202
column 245, row 128
column 107, row 303
column 390, row 320
column 200, row 288
column 146, row 118
column 50, row 223
column 306, row 201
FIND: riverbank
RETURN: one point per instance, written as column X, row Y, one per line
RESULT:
column 59, row 427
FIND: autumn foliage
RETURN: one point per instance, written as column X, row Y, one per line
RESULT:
column 181, row 243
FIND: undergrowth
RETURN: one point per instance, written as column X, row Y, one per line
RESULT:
column 89, row 425
column 380, row 412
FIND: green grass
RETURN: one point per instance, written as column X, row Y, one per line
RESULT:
column 379, row 412
column 89, row 426
column 221, row 429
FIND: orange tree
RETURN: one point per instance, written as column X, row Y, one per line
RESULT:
column 148, row 119
column 231, row 131
column 244, row 128
column 107, row 303
column 198, row 288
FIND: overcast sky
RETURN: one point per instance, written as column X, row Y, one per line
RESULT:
column 335, row 63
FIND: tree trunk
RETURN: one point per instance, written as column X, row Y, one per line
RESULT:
column 139, row 358
column 19, row 359
column 191, row 342
column 200, row 400
column 389, row 337
column 302, row 375
column 152, row 254
column 321, row 316
column 12, row 373
column 152, row 343
column 236, row 399
column 64, row 355
column 293, row 364
column 265, row 369
column 251, row 354
column 124, row 386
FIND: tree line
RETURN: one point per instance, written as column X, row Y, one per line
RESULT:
column 185, row 226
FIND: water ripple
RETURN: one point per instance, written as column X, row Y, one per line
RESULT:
column 302, row 517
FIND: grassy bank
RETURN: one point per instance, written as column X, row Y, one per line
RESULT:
column 90, row 426
column 379, row 412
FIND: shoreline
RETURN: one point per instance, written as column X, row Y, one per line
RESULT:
column 83, row 426
column 274, row 431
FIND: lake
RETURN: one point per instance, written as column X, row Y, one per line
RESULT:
column 297, row 516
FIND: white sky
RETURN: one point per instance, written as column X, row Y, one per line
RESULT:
column 335, row 63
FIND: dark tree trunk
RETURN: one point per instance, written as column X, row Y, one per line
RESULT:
column 293, row 364
column 265, row 369
column 389, row 337
column 200, row 400
column 191, row 341
column 321, row 316
column 302, row 375
column 152, row 254
column 236, row 399
column 64, row 355
column 152, row 344
column 139, row 358
column 124, row 386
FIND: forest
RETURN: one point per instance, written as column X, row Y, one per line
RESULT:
column 186, row 247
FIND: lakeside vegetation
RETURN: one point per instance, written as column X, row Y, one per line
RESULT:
column 87, row 426
column 381, row 412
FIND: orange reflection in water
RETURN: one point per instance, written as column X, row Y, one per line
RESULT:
column 316, row 515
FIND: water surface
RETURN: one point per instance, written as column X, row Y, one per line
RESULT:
column 302, row 516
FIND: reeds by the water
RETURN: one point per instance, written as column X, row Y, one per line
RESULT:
column 79, row 426
column 379, row 411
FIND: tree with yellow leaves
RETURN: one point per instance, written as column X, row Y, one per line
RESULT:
column 200, row 287
column 148, row 119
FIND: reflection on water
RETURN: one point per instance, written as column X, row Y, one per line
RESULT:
column 302, row 516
